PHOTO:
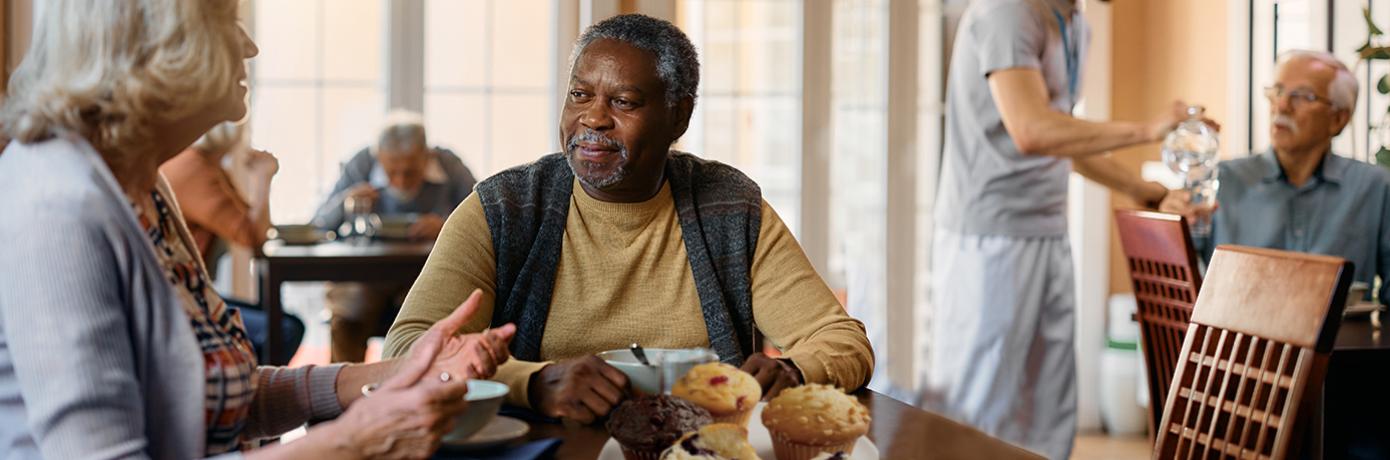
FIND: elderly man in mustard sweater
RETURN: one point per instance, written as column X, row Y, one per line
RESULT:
column 619, row 239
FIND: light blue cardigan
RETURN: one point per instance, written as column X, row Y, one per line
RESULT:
column 97, row 357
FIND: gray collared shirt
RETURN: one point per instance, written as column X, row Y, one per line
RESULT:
column 1343, row 211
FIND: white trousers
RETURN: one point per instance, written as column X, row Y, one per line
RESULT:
column 1002, row 356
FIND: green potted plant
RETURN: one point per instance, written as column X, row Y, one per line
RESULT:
column 1377, row 48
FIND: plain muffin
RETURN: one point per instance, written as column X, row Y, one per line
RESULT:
column 813, row 419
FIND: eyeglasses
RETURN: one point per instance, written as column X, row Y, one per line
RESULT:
column 1297, row 97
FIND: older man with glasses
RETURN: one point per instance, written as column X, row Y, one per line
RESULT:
column 1300, row 196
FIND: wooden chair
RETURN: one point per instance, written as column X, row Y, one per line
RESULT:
column 1255, row 355
column 1163, row 267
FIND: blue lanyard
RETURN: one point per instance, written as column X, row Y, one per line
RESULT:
column 1073, row 61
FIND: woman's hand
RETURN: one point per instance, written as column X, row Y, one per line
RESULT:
column 262, row 163
column 407, row 415
column 469, row 356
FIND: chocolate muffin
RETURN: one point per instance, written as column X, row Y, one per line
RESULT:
column 646, row 425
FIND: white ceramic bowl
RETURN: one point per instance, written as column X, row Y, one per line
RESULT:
column 648, row 379
column 484, row 399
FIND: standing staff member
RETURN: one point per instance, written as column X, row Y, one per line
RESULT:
column 1003, row 357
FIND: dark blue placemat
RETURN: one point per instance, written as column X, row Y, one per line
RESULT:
column 534, row 450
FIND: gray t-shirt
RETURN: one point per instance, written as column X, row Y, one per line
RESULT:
column 987, row 186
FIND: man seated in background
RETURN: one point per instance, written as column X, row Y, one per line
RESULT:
column 619, row 239
column 400, row 178
column 1300, row 196
column 219, row 214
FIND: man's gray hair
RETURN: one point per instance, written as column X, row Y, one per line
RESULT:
column 403, row 132
column 1342, row 90
column 677, row 63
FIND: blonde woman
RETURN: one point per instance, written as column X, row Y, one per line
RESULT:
column 112, row 343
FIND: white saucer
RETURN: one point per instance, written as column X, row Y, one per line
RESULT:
column 864, row 449
column 500, row 430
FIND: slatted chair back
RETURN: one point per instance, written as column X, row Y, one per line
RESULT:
column 1163, row 268
column 1255, row 354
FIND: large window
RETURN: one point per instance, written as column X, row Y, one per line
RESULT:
column 749, row 110
column 858, row 196
column 320, row 87
column 317, row 92
column 1338, row 27
column 488, row 76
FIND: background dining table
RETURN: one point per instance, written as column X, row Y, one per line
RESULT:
column 378, row 260
column 898, row 430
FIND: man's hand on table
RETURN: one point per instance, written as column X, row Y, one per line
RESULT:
column 581, row 389
column 774, row 375
column 427, row 227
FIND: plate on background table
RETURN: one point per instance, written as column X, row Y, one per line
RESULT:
column 1360, row 309
column 501, row 429
column 864, row 449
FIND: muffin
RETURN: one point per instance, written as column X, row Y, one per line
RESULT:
column 810, row 420
column 716, row 441
column 646, row 425
column 729, row 394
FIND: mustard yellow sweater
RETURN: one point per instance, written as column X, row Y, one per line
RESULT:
column 623, row 277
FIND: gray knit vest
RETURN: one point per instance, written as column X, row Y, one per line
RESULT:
column 720, row 213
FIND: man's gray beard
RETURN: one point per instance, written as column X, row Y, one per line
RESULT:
column 614, row 178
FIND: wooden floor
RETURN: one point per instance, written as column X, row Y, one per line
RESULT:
column 1098, row 446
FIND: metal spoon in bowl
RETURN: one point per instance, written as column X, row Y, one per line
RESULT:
column 641, row 355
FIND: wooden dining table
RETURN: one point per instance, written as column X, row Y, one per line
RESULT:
column 1353, row 418
column 330, row 261
column 898, row 430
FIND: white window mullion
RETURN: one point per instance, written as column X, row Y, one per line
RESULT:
column 592, row 11
column 661, row 9
column 566, row 25
column 900, row 218
column 404, row 62
column 816, row 110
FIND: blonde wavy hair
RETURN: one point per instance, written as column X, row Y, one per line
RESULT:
column 111, row 70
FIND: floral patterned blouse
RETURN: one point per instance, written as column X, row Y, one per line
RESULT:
column 228, row 357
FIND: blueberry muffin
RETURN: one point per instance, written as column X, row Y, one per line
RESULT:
column 729, row 394
column 716, row 441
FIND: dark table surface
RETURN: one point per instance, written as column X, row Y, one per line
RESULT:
column 1357, row 334
column 331, row 261
column 1353, row 406
column 898, row 430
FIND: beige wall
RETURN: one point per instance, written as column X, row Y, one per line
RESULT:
column 1163, row 50
column 14, row 38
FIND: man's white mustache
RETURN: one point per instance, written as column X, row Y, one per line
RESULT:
column 1286, row 122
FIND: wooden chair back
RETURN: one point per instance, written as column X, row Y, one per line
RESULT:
column 1163, row 268
column 1255, row 354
